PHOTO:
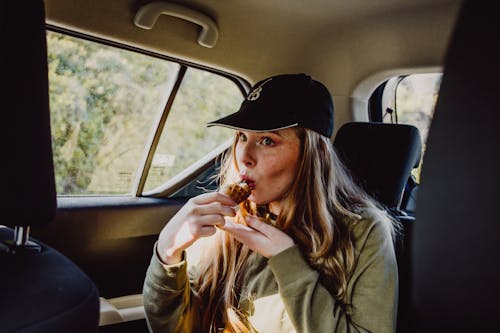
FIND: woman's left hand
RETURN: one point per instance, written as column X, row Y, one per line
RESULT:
column 259, row 236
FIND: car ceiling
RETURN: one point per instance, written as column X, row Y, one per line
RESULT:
column 338, row 42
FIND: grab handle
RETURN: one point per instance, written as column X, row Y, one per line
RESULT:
column 147, row 15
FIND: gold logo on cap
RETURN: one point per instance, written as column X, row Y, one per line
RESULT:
column 255, row 94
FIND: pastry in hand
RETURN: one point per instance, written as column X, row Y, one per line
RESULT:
column 239, row 192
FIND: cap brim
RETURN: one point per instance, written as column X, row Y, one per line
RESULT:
column 244, row 121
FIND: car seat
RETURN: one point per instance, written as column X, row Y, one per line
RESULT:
column 41, row 289
column 380, row 158
column 456, row 242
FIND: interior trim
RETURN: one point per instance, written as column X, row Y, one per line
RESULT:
column 121, row 309
column 148, row 14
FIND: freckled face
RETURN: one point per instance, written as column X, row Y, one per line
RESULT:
column 268, row 161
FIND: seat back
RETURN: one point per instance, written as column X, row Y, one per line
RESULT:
column 380, row 157
column 456, row 238
column 26, row 144
column 42, row 290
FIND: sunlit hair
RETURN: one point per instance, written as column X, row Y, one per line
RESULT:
column 318, row 212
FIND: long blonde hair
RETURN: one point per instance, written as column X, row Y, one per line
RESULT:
column 318, row 212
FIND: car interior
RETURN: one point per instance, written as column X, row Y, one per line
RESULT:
column 106, row 105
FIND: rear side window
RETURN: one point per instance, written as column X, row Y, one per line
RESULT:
column 202, row 97
column 110, row 106
column 411, row 99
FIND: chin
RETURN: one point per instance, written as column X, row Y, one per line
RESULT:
column 259, row 201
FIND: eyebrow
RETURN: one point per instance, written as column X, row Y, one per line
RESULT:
column 276, row 132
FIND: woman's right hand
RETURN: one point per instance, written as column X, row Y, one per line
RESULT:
column 196, row 219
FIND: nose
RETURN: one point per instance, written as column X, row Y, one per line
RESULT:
column 245, row 155
column 249, row 163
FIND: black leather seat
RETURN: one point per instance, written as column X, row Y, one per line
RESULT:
column 381, row 157
column 456, row 241
column 41, row 289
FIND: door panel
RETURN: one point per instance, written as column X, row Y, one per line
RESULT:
column 110, row 238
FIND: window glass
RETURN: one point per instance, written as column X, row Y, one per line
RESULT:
column 411, row 100
column 202, row 97
column 106, row 104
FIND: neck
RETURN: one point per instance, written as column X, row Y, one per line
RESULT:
column 275, row 208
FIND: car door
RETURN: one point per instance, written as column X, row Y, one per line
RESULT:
column 130, row 148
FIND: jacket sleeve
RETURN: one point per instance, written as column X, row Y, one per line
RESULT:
column 372, row 289
column 169, row 302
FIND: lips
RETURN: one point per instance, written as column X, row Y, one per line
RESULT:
column 251, row 183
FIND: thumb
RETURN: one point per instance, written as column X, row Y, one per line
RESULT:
column 234, row 228
column 257, row 224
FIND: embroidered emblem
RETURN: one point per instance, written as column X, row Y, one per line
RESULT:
column 255, row 94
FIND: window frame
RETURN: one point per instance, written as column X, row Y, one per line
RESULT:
column 378, row 97
column 171, row 187
column 388, row 90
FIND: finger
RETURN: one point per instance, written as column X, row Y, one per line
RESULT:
column 206, row 198
column 207, row 231
column 208, row 220
column 228, row 196
column 213, row 208
column 237, row 229
column 257, row 224
column 246, row 235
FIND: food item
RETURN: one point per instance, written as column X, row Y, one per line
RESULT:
column 239, row 192
column 265, row 214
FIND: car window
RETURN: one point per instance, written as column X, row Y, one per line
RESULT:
column 411, row 99
column 202, row 97
column 106, row 104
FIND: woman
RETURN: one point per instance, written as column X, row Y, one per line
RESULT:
column 321, row 261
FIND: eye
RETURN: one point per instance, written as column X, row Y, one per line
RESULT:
column 242, row 137
column 267, row 141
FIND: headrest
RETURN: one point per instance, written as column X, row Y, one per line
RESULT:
column 380, row 157
column 29, row 194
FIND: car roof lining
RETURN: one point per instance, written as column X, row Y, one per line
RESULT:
column 277, row 39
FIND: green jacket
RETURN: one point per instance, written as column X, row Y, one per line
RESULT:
column 283, row 293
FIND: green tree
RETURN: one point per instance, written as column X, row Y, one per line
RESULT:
column 105, row 103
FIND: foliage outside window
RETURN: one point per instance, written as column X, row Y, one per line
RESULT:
column 105, row 104
column 202, row 97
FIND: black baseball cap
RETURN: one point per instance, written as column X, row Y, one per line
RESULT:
column 283, row 101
